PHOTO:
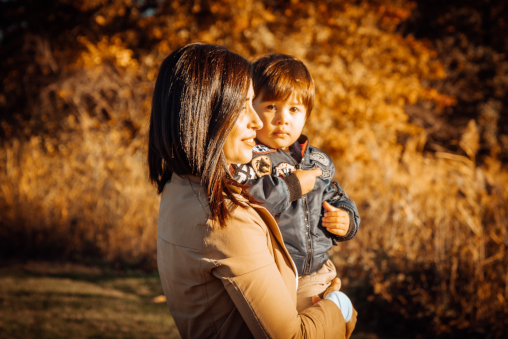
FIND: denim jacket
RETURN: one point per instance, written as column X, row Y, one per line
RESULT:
column 273, row 183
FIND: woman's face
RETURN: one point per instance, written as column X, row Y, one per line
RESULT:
column 240, row 141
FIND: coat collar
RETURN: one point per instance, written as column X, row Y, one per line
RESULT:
column 191, row 178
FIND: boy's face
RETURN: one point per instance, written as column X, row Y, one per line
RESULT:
column 283, row 121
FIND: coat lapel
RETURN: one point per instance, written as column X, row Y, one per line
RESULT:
column 270, row 221
column 272, row 225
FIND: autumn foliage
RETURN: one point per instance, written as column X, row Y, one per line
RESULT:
column 73, row 178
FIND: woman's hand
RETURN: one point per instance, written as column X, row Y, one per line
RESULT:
column 335, row 286
column 335, row 220
column 307, row 178
column 350, row 325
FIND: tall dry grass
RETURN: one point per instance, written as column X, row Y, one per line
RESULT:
column 84, row 190
column 433, row 236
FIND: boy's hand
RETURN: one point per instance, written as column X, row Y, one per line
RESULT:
column 335, row 220
column 307, row 178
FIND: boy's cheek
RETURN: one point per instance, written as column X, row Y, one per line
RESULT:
column 263, row 135
column 267, row 123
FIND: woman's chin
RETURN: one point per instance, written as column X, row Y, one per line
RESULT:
column 245, row 158
column 241, row 159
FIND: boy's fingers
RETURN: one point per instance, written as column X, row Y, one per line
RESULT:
column 341, row 225
column 329, row 207
column 336, row 231
column 336, row 227
column 335, row 219
column 336, row 213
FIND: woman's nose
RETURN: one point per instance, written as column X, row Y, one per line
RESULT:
column 255, row 122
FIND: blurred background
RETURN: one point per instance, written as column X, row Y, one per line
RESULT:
column 411, row 104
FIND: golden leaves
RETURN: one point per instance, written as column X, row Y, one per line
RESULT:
column 108, row 49
column 470, row 140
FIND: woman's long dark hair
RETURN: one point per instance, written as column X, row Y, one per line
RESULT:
column 197, row 99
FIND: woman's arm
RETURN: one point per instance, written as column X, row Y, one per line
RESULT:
column 267, row 307
column 253, row 278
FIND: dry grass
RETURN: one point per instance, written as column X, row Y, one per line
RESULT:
column 53, row 301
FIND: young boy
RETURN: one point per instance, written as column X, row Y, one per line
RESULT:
column 292, row 179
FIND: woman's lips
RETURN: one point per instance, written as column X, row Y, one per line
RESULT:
column 250, row 142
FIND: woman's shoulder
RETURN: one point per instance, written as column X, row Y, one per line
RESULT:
column 184, row 192
column 243, row 218
column 185, row 220
column 242, row 246
column 183, row 213
column 245, row 232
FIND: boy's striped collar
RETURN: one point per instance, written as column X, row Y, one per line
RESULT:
column 262, row 149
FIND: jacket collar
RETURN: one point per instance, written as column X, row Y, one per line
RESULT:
column 303, row 140
column 301, row 146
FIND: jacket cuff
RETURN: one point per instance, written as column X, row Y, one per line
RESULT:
column 295, row 189
column 353, row 228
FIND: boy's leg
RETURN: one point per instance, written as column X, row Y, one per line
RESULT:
column 314, row 284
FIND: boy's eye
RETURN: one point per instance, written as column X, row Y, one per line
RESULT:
column 295, row 109
column 271, row 107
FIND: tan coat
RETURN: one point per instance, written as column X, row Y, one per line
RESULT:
column 237, row 282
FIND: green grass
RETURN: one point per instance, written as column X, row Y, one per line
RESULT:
column 57, row 301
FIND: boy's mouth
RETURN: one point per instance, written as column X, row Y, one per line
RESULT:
column 280, row 134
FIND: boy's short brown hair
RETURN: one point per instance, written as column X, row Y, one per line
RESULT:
column 276, row 76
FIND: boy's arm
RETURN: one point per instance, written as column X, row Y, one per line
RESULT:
column 335, row 196
column 274, row 193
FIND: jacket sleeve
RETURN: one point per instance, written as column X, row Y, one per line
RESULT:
column 253, row 281
column 337, row 197
column 274, row 193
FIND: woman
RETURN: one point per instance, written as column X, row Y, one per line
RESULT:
column 222, row 262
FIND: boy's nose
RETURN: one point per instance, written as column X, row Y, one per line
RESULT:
column 282, row 119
